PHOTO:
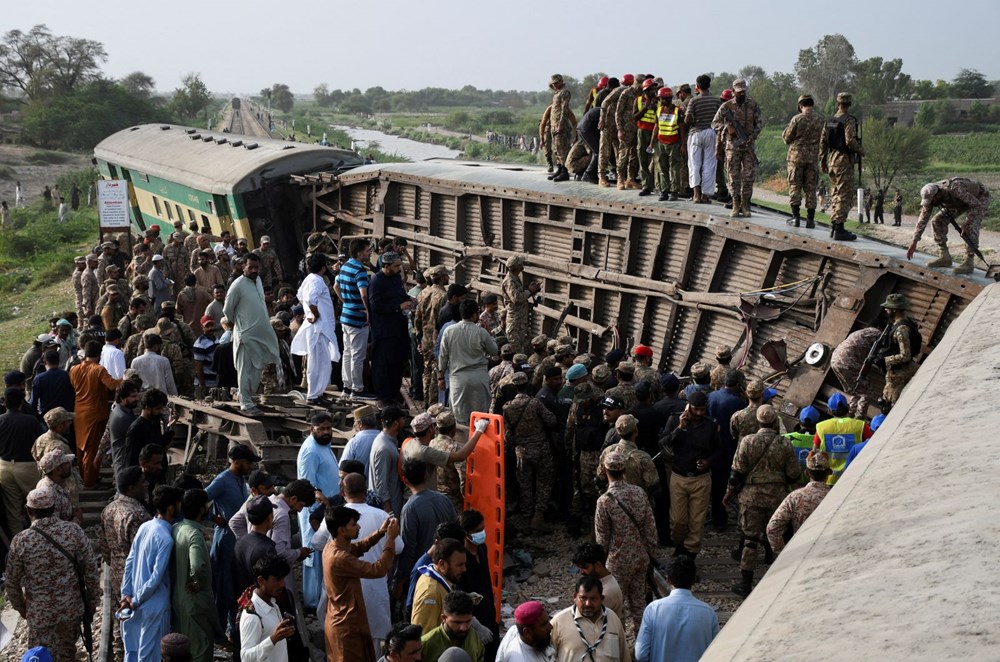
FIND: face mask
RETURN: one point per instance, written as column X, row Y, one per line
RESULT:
column 478, row 538
column 324, row 440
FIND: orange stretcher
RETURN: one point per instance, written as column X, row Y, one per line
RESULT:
column 484, row 491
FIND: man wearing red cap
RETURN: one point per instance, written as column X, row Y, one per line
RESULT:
column 594, row 91
column 531, row 639
column 644, row 371
column 667, row 140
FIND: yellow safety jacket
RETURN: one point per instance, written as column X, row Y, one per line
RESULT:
column 648, row 120
column 668, row 123
column 837, row 436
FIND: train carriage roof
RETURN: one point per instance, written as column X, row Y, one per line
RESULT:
column 212, row 161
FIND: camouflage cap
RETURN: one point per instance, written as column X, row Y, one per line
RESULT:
column 845, row 97
column 518, row 359
column 723, row 352
column 583, row 359
column 57, row 416
column 519, row 379
column 626, row 425
column 445, row 419
column 700, row 370
column 766, row 414
column 614, row 461
column 421, row 422
column 817, row 460
column 927, row 192
column 805, row 97
column 550, row 345
column 740, row 85
column 538, row 342
column 507, row 349
column 436, row 409
column 435, row 272
column 112, row 267
column 40, row 499
column 896, row 301
column 278, row 326
column 555, row 79
column 54, row 459
column 515, row 261
column 93, row 258
column 626, row 368
column 80, row 259
column 601, row 373
column 755, row 389
column 563, row 351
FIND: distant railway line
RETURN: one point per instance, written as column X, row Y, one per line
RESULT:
column 244, row 121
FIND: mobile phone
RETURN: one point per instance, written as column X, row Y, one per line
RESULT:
column 124, row 614
column 288, row 618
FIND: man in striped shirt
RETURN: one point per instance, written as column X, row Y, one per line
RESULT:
column 352, row 288
column 701, row 139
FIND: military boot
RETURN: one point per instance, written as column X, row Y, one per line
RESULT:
column 632, row 185
column 967, row 266
column 735, row 211
column 810, row 219
column 840, row 234
column 796, row 219
column 745, row 205
column 551, row 167
column 737, row 553
column 743, row 587
column 562, row 174
column 943, row 261
column 603, row 181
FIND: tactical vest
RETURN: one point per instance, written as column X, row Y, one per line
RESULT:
column 648, row 120
column 668, row 123
column 802, row 443
column 890, row 347
column 837, row 436
column 836, row 133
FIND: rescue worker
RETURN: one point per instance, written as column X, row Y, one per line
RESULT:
column 839, row 150
column 646, row 127
column 594, row 91
column 668, row 140
column 801, row 438
column 836, row 436
column 900, row 351
column 803, row 135
column 954, row 196
column 585, row 430
column 846, row 362
column 518, row 298
column 764, row 465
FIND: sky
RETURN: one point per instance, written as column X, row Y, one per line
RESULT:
column 242, row 47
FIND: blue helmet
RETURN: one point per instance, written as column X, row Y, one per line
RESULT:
column 877, row 422
column 837, row 402
column 809, row 414
column 769, row 394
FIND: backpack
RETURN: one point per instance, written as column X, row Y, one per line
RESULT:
column 836, row 134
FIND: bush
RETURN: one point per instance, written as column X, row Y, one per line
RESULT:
column 6, row 172
column 46, row 157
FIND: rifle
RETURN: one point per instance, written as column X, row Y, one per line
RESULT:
column 742, row 137
column 859, row 153
column 872, row 356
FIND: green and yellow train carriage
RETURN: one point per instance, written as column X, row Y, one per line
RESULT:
column 218, row 181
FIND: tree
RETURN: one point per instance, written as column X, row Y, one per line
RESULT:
column 827, row 68
column 139, row 84
column 970, row 84
column 752, row 74
column 322, row 95
column 778, row 97
column 877, row 81
column 894, row 151
column 192, row 98
column 281, row 97
column 41, row 64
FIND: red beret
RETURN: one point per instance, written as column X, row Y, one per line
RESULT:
column 205, row 319
column 643, row 350
column 529, row 613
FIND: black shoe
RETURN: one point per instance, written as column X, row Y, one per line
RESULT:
column 840, row 234
column 673, row 197
column 562, row 175
column 810, row 219
column 663, row 197
column 743, row 588
column 645, row 192
column 578, row 178
column 363, row 395
column 590, row 179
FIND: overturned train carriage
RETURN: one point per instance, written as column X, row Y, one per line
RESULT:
column 680, row 277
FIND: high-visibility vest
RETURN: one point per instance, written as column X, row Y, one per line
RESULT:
column 648, row 120
column 802, row 443
column 593, row 96
column 668, row 123
column 837, row 436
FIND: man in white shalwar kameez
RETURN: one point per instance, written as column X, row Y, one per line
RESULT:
column 317, row 338
column 375, row 591
column 255, row 344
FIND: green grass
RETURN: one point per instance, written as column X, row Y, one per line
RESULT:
column 47, row 157
column 6, row 172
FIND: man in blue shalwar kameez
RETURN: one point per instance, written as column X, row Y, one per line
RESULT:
column 317, row 464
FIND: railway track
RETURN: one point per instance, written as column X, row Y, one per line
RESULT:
column 243, row 121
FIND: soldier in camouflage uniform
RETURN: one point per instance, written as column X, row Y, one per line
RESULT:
column 585, row 430
column 839, row 149
column 561, row 126
column 270, row 266
column 846, row 361
column 723, row 357
column 744, row 422
column 518, row 299
column 800, row 504
column 173, row 349
column 625, row 390
column 90, row 288
column 899, row 359
column 741, row 159
column 451, row 477
column 80, row 264
column 56, row 467
column 120, row 520
column 561, row 355
column 178, row 259
column 527, row 424
column 803, row 135
column 504, row 369
column 628, row 157
column 126, row 324
column 134, row 346
column 153, row 240
column 607, row 153
column 539, row 351
column 639, row 467
column 60, row 422
column 429, row 304
column 642, row 358
column 955, row 196
column 764, row 465
column 42, row 582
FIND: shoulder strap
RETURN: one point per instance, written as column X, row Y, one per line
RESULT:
column 631, row 517
column 762, row 455
column 53, row 542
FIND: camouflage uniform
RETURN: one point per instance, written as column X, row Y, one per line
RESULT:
column 52, row 441
column 451, row 477
column 639, row 468
column 744, row 422
column 518, row 307
column 803, row 135
column 775, row 465
column 741, row 162
column 60, row 498
column 429, row 304
column 899, row 367
column 846, row 361
column 539, row 373
column 270, row 266
column 647, row 373
column 559, row 121
column 840, row 165
column 77, row 280
column 794, row 510
column 526, row 422
column 545, row 134
column 120, row 520
column 90, row 287
column 957, row 195
column 173, row 350
column 178, row 259
column 585, row 430
column 625, row 391
column 629, row 547
column 42, row 584
column 628, row 157
column 608, row 148
column 498, row 373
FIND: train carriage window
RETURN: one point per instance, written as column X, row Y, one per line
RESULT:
column 170, row 214
column 191, row 215
column 156, row 203
column 204, row 220
column 180, row 214
column 208, row 203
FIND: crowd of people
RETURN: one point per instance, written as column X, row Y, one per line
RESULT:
column 605, row 445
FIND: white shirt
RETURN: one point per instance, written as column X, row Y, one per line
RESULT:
column 255, row 633
column 512, row 649
column 113, row 360
column 315, row 292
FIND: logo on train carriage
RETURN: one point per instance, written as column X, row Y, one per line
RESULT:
column 838, row 443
